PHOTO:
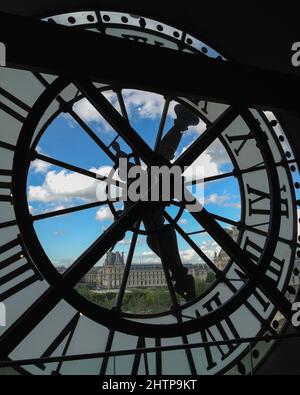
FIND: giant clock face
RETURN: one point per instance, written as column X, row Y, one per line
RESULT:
column 57, row 133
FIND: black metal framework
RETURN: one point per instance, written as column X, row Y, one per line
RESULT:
column 144, row 157
column 224, row 81
column 61, row 287
column 143, row 350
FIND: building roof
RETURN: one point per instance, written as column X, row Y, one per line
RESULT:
column 151, row 266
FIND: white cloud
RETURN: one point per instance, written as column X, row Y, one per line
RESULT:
column 216, row 151
column 215, row 198
column 150, row 105
column 210, row 161
column 31, row 209
column 183, row 221
column 70, row 120
column 210, row 168
column 39, row 166
column 144, row 104
column 147, row 253
column 63, row 261
column 62, row 186
column 225, row 200
column 148, row 257
column 59, row 207
column 209, row 248
column 198, row 129
column 125, row 241
column 188, row 255
column 88, row 113
column 58, row 233
column 104, row 214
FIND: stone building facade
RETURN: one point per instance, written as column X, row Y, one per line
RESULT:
column 110, row 275
column 221, row 260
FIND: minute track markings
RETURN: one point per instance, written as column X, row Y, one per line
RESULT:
column 187, row 158
column 185, row 323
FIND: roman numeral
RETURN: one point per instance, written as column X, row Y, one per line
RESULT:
column 242, row 138
column 66, row 334
column 210, row 362
column 262, row 196
column 8, row 246
column 205, row 105
column 265, row 304
column 204, row 108
column 24, row 267
column 276, row 265
column 137, row 358
column 15, row 108
column 226, row 330
column 7, row 146
column 158, row 358
column 107, row 349
column 7, row 224
column 6, row 185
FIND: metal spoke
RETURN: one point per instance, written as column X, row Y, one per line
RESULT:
column 170, row 286
column 162, row 124
column 68, row 210
column 67, row 166
column 251, row 228
column 69, row 109
column 113, row 141
column 236, row 172
column 121, row 292
column 196, row 232
column 156, row 349
column 115, row 119
column 92, row 135
column 97, row 250
column 107, row 350
column 122, row 104
column 243, row 260
column 209, row 179
column 192, row 244
column 51, row 297
column 76, row 169
column 224, row 219
column 171, row 291
column 207, row 138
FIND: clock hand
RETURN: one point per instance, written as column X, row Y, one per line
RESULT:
column 162, row 239
column 163, row 242
column 171, row 140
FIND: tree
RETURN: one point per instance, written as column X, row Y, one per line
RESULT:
column 210, row 277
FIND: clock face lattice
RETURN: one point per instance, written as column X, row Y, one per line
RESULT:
column 70, row 133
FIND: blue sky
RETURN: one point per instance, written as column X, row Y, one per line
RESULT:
column 51, row 188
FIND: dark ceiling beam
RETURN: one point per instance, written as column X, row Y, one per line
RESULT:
column 45, row 47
